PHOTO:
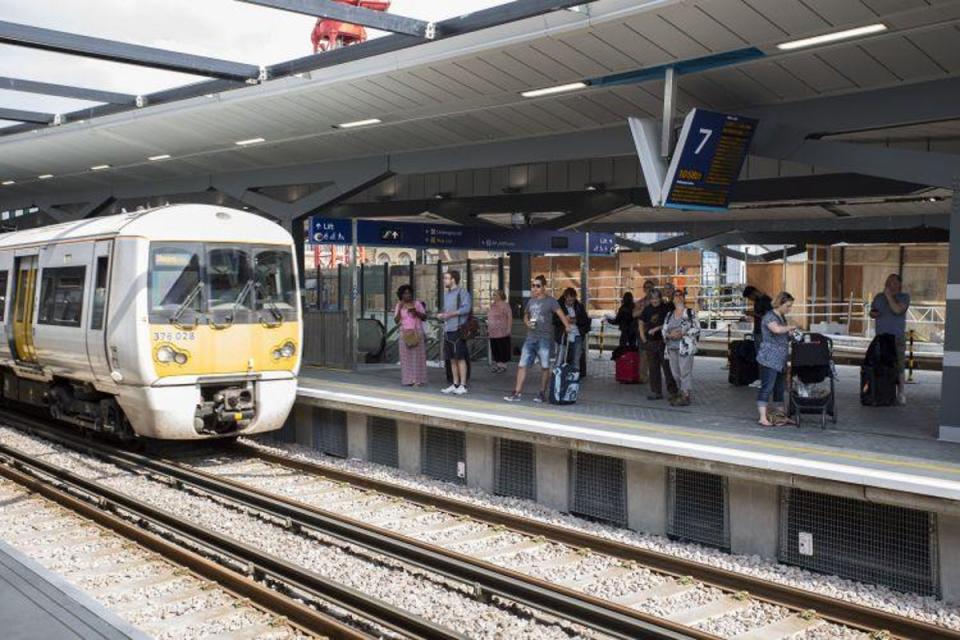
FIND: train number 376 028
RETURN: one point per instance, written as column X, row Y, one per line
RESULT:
column 173, row 336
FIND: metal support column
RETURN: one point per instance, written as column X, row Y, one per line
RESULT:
column 950, row 392
column 669, row 102
column 354, row 315
column 520, row 278
column 500, row 274
column 585, row 273
column 829, row 283
column 440, row 285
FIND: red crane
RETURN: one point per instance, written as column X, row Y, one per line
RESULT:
column 332, row 34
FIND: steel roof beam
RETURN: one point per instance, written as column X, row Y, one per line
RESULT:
column 66, row 91
column 78, row 45
column 484, row 19
column 19, row 115
column 380, row 20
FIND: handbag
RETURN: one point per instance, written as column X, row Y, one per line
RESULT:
column 410, row 337
column 470, row 327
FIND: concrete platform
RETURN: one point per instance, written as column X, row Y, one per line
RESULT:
column 38, row 605
column 891, row 449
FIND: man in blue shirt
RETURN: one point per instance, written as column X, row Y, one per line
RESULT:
column 889, row 309
column 457, row 306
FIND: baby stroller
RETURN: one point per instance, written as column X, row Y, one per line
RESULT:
column 812, row 378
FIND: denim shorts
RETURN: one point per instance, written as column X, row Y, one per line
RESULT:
column 534, row 348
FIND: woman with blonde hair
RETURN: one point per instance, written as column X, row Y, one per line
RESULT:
column 681, row 331
column 772, row 357
column 499, row 326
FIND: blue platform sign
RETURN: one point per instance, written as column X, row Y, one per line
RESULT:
column 375, row 233
column 707, row 161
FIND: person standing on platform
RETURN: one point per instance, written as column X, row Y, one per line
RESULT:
column 577, row 316
column 538, row 318
column 682, row 331
column 762, row 304
column 410, row 314
column 772, row 357
column 889, row 309
column 499, row 326
column 457, row 306
column 626, row 322
column 651, row 336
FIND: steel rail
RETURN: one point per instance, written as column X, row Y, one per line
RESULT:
column 303, row 617
column 486, row 578
column 831, row 609
column 259, row 564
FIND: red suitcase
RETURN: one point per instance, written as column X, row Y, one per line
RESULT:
column 628, row 368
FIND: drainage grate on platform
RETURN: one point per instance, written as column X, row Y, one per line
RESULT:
column 443, row 454
column 697, row 508
column 598, row 487
column 515, row 469
column 330, row 431
column 382, row 441
column 860, row 540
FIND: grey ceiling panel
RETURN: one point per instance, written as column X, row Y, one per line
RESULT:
column 792, row 16
column 841, row 13
column 667, row 37
column 746, row 22
column 512, row 74
column 903, row 58
column 630, row 42
column 568, row 55
column 596, row 49
column 743, row 85
column 943, row 46
column 881, row 7
column 566, row 110
column 696, row 22
column 816, row 74
column 861, row 68
column 483, row 78
column 778, row 80
column 548, row 66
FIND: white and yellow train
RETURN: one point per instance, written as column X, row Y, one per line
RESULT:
column 175, row 323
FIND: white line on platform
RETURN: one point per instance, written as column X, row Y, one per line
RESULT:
column 892, row 480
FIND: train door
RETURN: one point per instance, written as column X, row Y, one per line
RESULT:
column 24, row 298
column 97, row 327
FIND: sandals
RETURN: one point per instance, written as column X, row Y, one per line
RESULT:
column 777, row 418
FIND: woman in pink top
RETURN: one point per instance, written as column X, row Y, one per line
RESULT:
column 409, row 314
column 499, row 324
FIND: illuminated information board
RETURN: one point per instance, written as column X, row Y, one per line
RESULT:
column 707, row 160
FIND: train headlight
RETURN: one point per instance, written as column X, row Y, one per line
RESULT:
column 180, row 358
column 167, row 355
column 288, row 349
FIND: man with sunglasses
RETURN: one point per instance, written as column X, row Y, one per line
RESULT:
column 537, row 317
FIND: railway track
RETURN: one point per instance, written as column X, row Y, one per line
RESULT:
column 161, row 588
column 361, row 498
column 487, row 582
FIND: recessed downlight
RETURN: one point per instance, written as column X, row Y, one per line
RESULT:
column 100, row 167
column 45, row 176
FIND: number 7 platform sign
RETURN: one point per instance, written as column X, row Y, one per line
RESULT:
column 707, row 160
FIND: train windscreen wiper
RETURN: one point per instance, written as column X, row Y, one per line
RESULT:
column 247, row 288
column 175, row 319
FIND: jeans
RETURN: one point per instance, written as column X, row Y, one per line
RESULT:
column 574, row 350
column 682, row 369
column 536, row 349
column 771, row 383
column 659, row 368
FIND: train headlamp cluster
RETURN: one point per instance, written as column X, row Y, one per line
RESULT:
column 287, row 350
column 167, row 354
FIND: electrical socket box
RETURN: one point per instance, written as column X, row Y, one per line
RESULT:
column 805, row 543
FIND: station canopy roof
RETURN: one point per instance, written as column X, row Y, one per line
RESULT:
column 459, row 92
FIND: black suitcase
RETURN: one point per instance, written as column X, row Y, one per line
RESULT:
column 564, row 378
column 742, row 358
column 878, row 385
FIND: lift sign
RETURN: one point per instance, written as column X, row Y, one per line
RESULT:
column 707, row 160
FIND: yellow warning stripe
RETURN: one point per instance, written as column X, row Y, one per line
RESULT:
column 700, row 434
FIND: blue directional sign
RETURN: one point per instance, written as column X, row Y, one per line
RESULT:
column 707, row 160
column 374, row 233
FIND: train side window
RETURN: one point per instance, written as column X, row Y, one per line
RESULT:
column 61, row 296
column 3, row 295
column 100, row 293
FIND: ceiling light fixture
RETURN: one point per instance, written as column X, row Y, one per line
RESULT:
column 359, row 123
column 243, row 143
column 833, row 37
column 443, row 195
column 547, row 91
column 7, row 183
column 162, row 156
column 100, row 167
column 45, row 176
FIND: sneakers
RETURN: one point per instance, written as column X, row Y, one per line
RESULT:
column 452, row 388
column 901, row 399
column 460, row 391
column 755, row 384
column 540, row 399
column 513, row 397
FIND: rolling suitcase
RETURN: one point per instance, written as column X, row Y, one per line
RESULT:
column 565, row 378
column 878, row 385
column 742, row 358
column 628, row 367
